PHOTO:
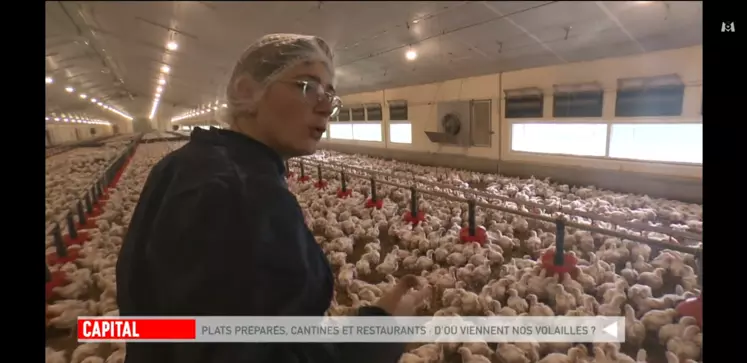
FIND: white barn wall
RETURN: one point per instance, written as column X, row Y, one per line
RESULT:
column 422, row 99
column 64, row 133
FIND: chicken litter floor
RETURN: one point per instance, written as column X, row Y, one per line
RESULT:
column 654, row 349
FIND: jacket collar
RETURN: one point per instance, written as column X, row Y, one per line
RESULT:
column 242, row 145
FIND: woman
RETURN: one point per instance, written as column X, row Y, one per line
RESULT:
column 216, row 232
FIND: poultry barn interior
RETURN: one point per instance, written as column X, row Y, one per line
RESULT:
column 559, row 125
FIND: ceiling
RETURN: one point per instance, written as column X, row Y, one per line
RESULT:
column 115, row 50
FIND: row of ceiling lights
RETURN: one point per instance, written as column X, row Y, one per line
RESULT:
column 70, row 89
column 165, row 69
column 76, row 119
column 411, row 55
column 200, row 110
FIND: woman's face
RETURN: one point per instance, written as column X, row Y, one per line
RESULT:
column 294, row 111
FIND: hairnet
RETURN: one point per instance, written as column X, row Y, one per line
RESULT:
column 265, row 60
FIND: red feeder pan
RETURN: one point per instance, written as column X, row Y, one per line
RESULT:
column 481, row 235
column 90, row 223
column 304, row 178
column 417, row 218
column 377, row 204
column 82, row 237
column 58, row 279
column 692, row 307
column 53, row 259
column 321, row 184
column 344, row 194
column 96, row 210
column 569, row 264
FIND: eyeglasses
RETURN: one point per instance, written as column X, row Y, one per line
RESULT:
column 315, row 92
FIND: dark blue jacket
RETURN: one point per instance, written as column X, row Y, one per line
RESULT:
column 216, row 232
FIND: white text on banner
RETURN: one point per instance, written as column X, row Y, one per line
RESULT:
column 349, row 329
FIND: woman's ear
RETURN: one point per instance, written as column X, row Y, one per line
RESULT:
column 245, row 87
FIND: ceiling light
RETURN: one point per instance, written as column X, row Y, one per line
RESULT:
column 159, row 89
column 172, row 46
column 49, row 80
column 66, row 120
column 215, row 108
column 643, row 2
column 83, row 96
column 153, row 109
column 93, row 100
column 57, row 119
column 224, row 105
column 100, row 104
column 411, row 55
column 161, row 81
column 46, row 119
column 69, row 89
column 165, row 69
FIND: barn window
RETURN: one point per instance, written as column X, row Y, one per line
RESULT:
column 400, row 128
column 580, row 100
column 367, row 131
column 344, row 115
column 358, row 114
column 650, row 97
column 524, row 103
column 342, row 131
column 400, row 133
column 398, row 111
column 680, row 143
column 373, row 112
column 564, row 139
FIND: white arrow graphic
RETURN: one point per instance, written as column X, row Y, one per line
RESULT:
column 611, row 329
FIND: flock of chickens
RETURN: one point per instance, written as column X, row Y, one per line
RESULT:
column 92, row 288
column 370, row 249
column 71, row 173
column 615, row 206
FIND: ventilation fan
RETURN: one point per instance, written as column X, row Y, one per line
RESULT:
column 453, row 119
column 451, row 123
